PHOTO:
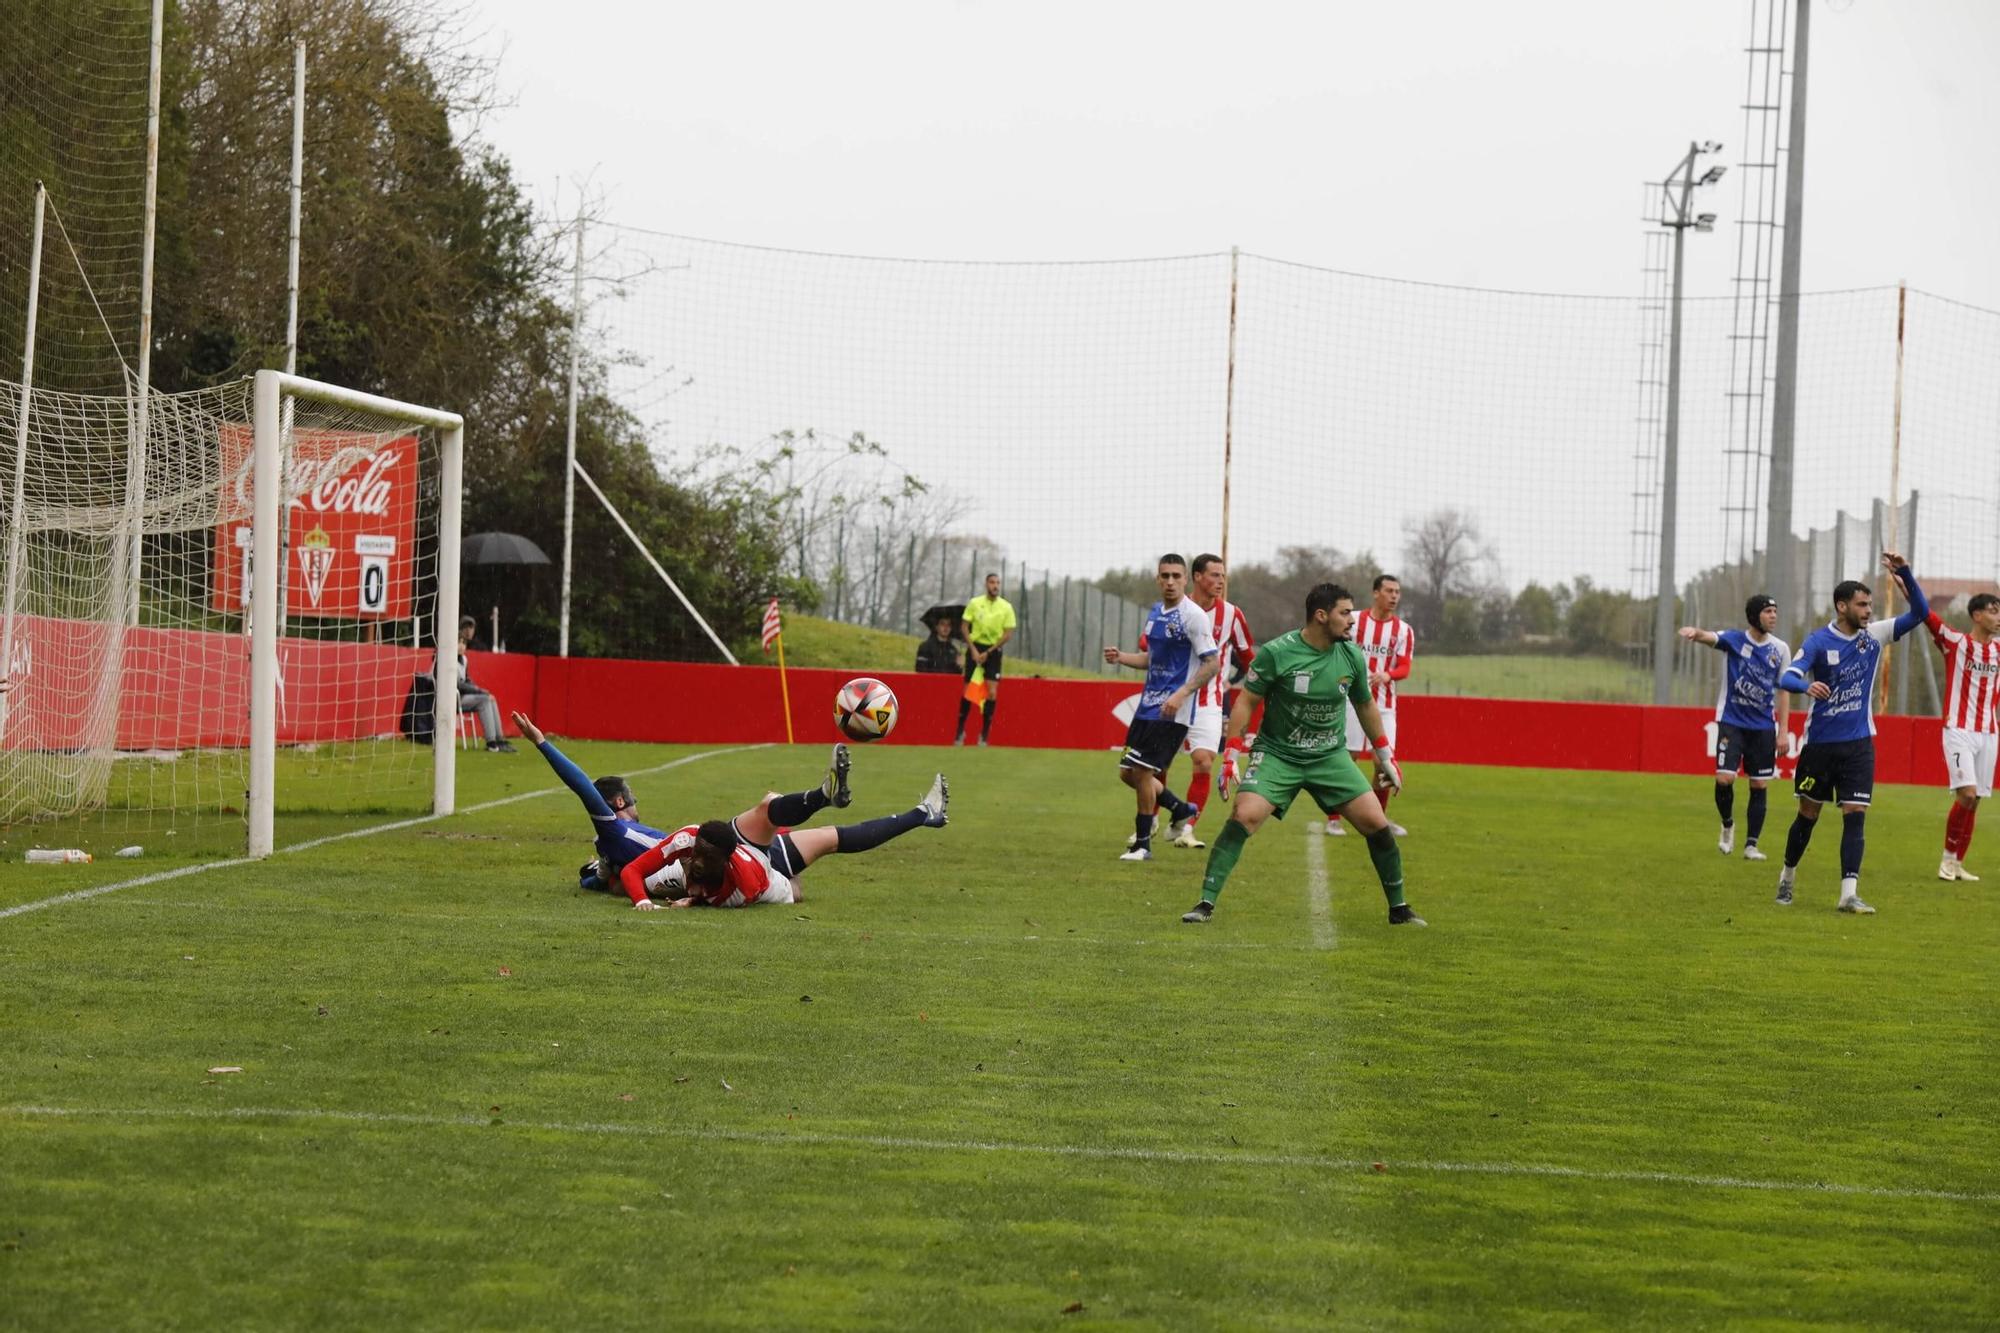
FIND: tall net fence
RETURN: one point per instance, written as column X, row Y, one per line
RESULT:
column 1081, row 419
column 125, row 622
column 73, row 77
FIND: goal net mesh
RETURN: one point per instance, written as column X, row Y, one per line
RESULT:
column 127, row 581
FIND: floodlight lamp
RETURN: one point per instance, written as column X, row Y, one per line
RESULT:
column 1711, row 146
column 1712, row 175
column 1704, row 222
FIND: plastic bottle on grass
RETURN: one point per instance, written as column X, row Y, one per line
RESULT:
column 58, row 856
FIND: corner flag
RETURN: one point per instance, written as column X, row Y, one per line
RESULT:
column 774, row 633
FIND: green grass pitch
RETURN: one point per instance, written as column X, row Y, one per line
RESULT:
column 985, row 1078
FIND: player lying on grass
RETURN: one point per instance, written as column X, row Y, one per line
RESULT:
column 755, row 857
column 614, row 811
column 1305, row 679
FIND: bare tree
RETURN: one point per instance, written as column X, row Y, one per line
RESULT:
column 1446, row 556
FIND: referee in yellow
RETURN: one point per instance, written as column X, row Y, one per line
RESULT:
column 989, row 623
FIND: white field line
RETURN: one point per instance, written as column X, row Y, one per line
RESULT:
column 901, row 1143
column 1319, row 898
column 161, row 877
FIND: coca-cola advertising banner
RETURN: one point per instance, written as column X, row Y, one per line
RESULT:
column 352, row 519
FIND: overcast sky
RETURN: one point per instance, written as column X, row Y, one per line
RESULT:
column 1465, row 142
column 1462, row 141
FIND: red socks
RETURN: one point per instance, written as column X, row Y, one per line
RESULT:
column 1958, row 829
column 1197, row 790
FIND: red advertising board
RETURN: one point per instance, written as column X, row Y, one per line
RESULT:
column 351, row 510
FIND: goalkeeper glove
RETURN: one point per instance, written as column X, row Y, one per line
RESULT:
column 1388, row 773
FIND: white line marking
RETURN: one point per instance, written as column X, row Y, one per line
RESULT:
column 1319, row 898
column 900, row 1143
column 80, row 895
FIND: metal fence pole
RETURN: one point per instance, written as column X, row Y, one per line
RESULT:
column 1063, row 654
column 910, row 585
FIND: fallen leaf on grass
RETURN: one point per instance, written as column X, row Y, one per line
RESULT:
column 324, row 1011
column 226, row 1069
column 726, row 1087
column 682, row 1079
column 923, row 1017
column 867, row 934
column 805, row 999
column 506, row 971
column 1074, row 1307
column 1229, row 1103
column 627, row 1097
column 1379, row 1166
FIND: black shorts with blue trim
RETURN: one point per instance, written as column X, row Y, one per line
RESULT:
column 783, row 853
column 1152, row 742
column 1837, row 771
column 1754, row 750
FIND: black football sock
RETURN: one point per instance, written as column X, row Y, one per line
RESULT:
column 964, row 708
column 1725, row 802
column 986, row 719
column 1143, row 826
column 1174, row 805
column 796, row 807
column 1796, row 840
column 1756, row 812
column 872, row 833
column 1852, row 842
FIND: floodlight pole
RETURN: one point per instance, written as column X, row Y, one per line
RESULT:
column 569, row 437
column 1778, row 561
column 1679, row 193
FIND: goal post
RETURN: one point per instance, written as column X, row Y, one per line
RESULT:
column 269, row 393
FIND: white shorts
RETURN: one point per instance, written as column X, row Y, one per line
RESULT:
column 1360, row 744
column 1968, row 759
column 1205, row 732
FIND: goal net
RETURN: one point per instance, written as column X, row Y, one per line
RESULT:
column 236, row 620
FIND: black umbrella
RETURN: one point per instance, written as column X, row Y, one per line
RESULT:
column 956, row 610
column 500, row 548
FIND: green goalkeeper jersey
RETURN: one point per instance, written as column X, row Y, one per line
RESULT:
column 1306, row 691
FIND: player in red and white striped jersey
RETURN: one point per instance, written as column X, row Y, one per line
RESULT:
column 1232, row 637
column 1390, row 646
column 1971, row 722
column 755, row 857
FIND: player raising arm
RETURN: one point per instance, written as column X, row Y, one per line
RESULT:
column 1836, row 667
column 754, row 858
column 1747, row 731
column 1305, row 679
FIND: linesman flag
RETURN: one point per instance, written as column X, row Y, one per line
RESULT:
column 773, row 625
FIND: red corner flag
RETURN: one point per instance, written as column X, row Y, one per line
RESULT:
column 772, row 625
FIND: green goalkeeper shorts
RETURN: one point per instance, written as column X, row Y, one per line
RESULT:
column 1332, row 780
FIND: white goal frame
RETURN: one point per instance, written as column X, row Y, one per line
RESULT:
column 269, row 392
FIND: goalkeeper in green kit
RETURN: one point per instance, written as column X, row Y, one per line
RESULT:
column 1305, row 679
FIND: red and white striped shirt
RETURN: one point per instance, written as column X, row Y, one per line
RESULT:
column 1972, row 678
column 1389, row 645
column 1232, row 638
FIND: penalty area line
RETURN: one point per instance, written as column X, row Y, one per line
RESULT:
column 1095, row 1152
column 1319, row 897
column 161, row 877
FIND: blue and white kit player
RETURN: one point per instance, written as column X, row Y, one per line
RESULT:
column 614, row 810
column 1836, row 667
column 1751, row 716
column 1180, row 657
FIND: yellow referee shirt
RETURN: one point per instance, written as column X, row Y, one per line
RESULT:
column 990, row 617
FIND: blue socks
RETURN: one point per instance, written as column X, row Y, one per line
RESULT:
column 1725, row 802
column 1852, row 842
column 1757, row 798
column 872, row 833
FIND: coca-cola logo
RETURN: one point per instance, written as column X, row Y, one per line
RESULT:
column 323, row 484
column 328, row 488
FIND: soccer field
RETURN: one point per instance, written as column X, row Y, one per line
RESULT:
column 985, row 1078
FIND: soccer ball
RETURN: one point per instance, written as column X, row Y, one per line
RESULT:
column 865, row 709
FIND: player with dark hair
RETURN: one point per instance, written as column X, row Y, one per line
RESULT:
column 1836, row 666
column 1179, row 658
column 1390, row 646
column 988, row 622
column 1751, row 715
column 1306, row 678
column 614, row 811
column 755, row 858
column 1234, row 644
column 1971, row 723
